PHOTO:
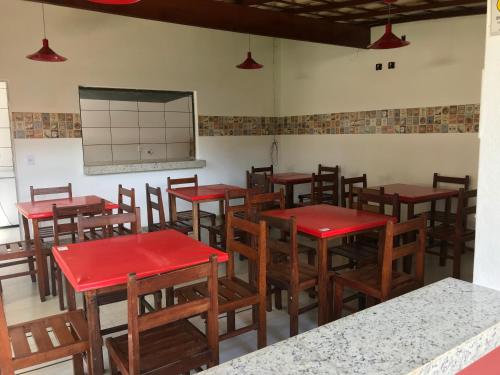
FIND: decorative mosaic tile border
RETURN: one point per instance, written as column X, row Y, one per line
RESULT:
column 444, row 119
column 46, row 125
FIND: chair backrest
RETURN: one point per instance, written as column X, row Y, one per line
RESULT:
column 269, row 170
column 154, row 203
column 287, row 245
column 172, row 313
column 265, row 201
column 462, row 182
column 123, row 195
column 325, row 188
column 256, row 252
column 62, row 214
column 389, row 253
column 348, row 196
column 323, row 169
column 107, row 222
column 189, row 181
column 6, row 363
column 67, row 190
column 259, row 182
column 236, row 200
column 375, row 200
column 466, row 206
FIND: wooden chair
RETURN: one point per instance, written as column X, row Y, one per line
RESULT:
column 64, row 227
column 165, row 342
column 106, row 226
column 66, row 192
column 14, row 254
column 128, row 195
column 348, row 196
column 286, row 272
column 260, row 202
column 380, row 281
column 186, row 217
column 323, row 189
column 234, row 292
column 16, row 353
column 455, row 230
column 154, row 204
column 269, row 170
column 259, row 182
column 362, row 249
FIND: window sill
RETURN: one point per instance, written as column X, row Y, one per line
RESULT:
column 102, row 169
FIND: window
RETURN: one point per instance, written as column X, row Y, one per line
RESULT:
column 125, row 126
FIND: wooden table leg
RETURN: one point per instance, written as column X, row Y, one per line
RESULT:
column 407, row 260
column 27, row 238
column 95, row 340
column 196, row 221
column 289, row 195
column 41, row 262
column 323, row 281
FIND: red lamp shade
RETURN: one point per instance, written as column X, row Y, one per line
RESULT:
column 115, row 2
column 250, row 63
column 388, row 40
column 46, row 54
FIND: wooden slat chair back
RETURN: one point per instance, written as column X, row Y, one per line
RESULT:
column 286, row 272
column 126, row 204
column 154, row 204
column 106, row 223
column 185, row 218
column 348, row 195
column 261, row 202
column 69, row 329
column 46, row 232
column 259, row 182
column 268, row 170
column 376, row 201
column 457, row 232
column 172, row 344
column 324, row 187
column 65, row 225
column 234, row 292
column 380, row 281
column 16, row 253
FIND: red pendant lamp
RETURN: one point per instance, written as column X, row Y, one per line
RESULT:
column 389, row 40
column 249, row 62
column 45, row 54
column 115, row 2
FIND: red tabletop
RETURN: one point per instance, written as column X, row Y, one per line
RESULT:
column 417, row 194
column 324, row 221
column 290, row 178
column 43, row 209
column 104, row 263
column 200, row 193
column 487, row 365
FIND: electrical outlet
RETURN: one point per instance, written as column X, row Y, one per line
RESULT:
column 391, row 65
column 30, row 159
column 378, row 66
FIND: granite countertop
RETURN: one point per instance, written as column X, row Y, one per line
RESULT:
column 438, row 329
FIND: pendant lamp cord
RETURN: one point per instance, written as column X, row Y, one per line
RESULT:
column 43, row 20
column 389, row 19
column 274, row 145
column 249, row 46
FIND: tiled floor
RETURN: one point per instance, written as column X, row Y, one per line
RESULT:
column 22, row 303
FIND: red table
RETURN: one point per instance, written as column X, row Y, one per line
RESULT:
column 197, row 195
column 325, row 222
column 42, row 211
column 289, row 180
column 489, row 364
column 98, row 265
column 415, row 194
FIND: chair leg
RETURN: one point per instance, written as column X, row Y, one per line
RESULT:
column 361, row 301
column 78, row 364
column 269, row 300
column 311, row 255
column 443, row 253
column 53, row 275
column 293, row 310
column 277, row 299
column 338, row 300
column 31, row 265
column 231, row 321
column 112, row 366
column 262, row 328
column 457, row 259
column 60, row 289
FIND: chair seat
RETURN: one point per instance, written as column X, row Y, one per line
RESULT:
column 360, row 252
column 180, row 227
column 233, row 293
column 446, row 232
column 188, row 215
column 367, row 280
column 16, row 250
column 70, row 329
column 170, row 349
column 280, row 275
column 441, row 216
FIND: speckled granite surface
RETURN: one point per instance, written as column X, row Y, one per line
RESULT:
column 438, row 329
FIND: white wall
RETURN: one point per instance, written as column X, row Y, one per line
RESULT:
column 487, row 251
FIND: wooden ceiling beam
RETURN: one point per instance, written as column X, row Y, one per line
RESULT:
column 231, row 17
column 404, row 9
column 430, row 16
